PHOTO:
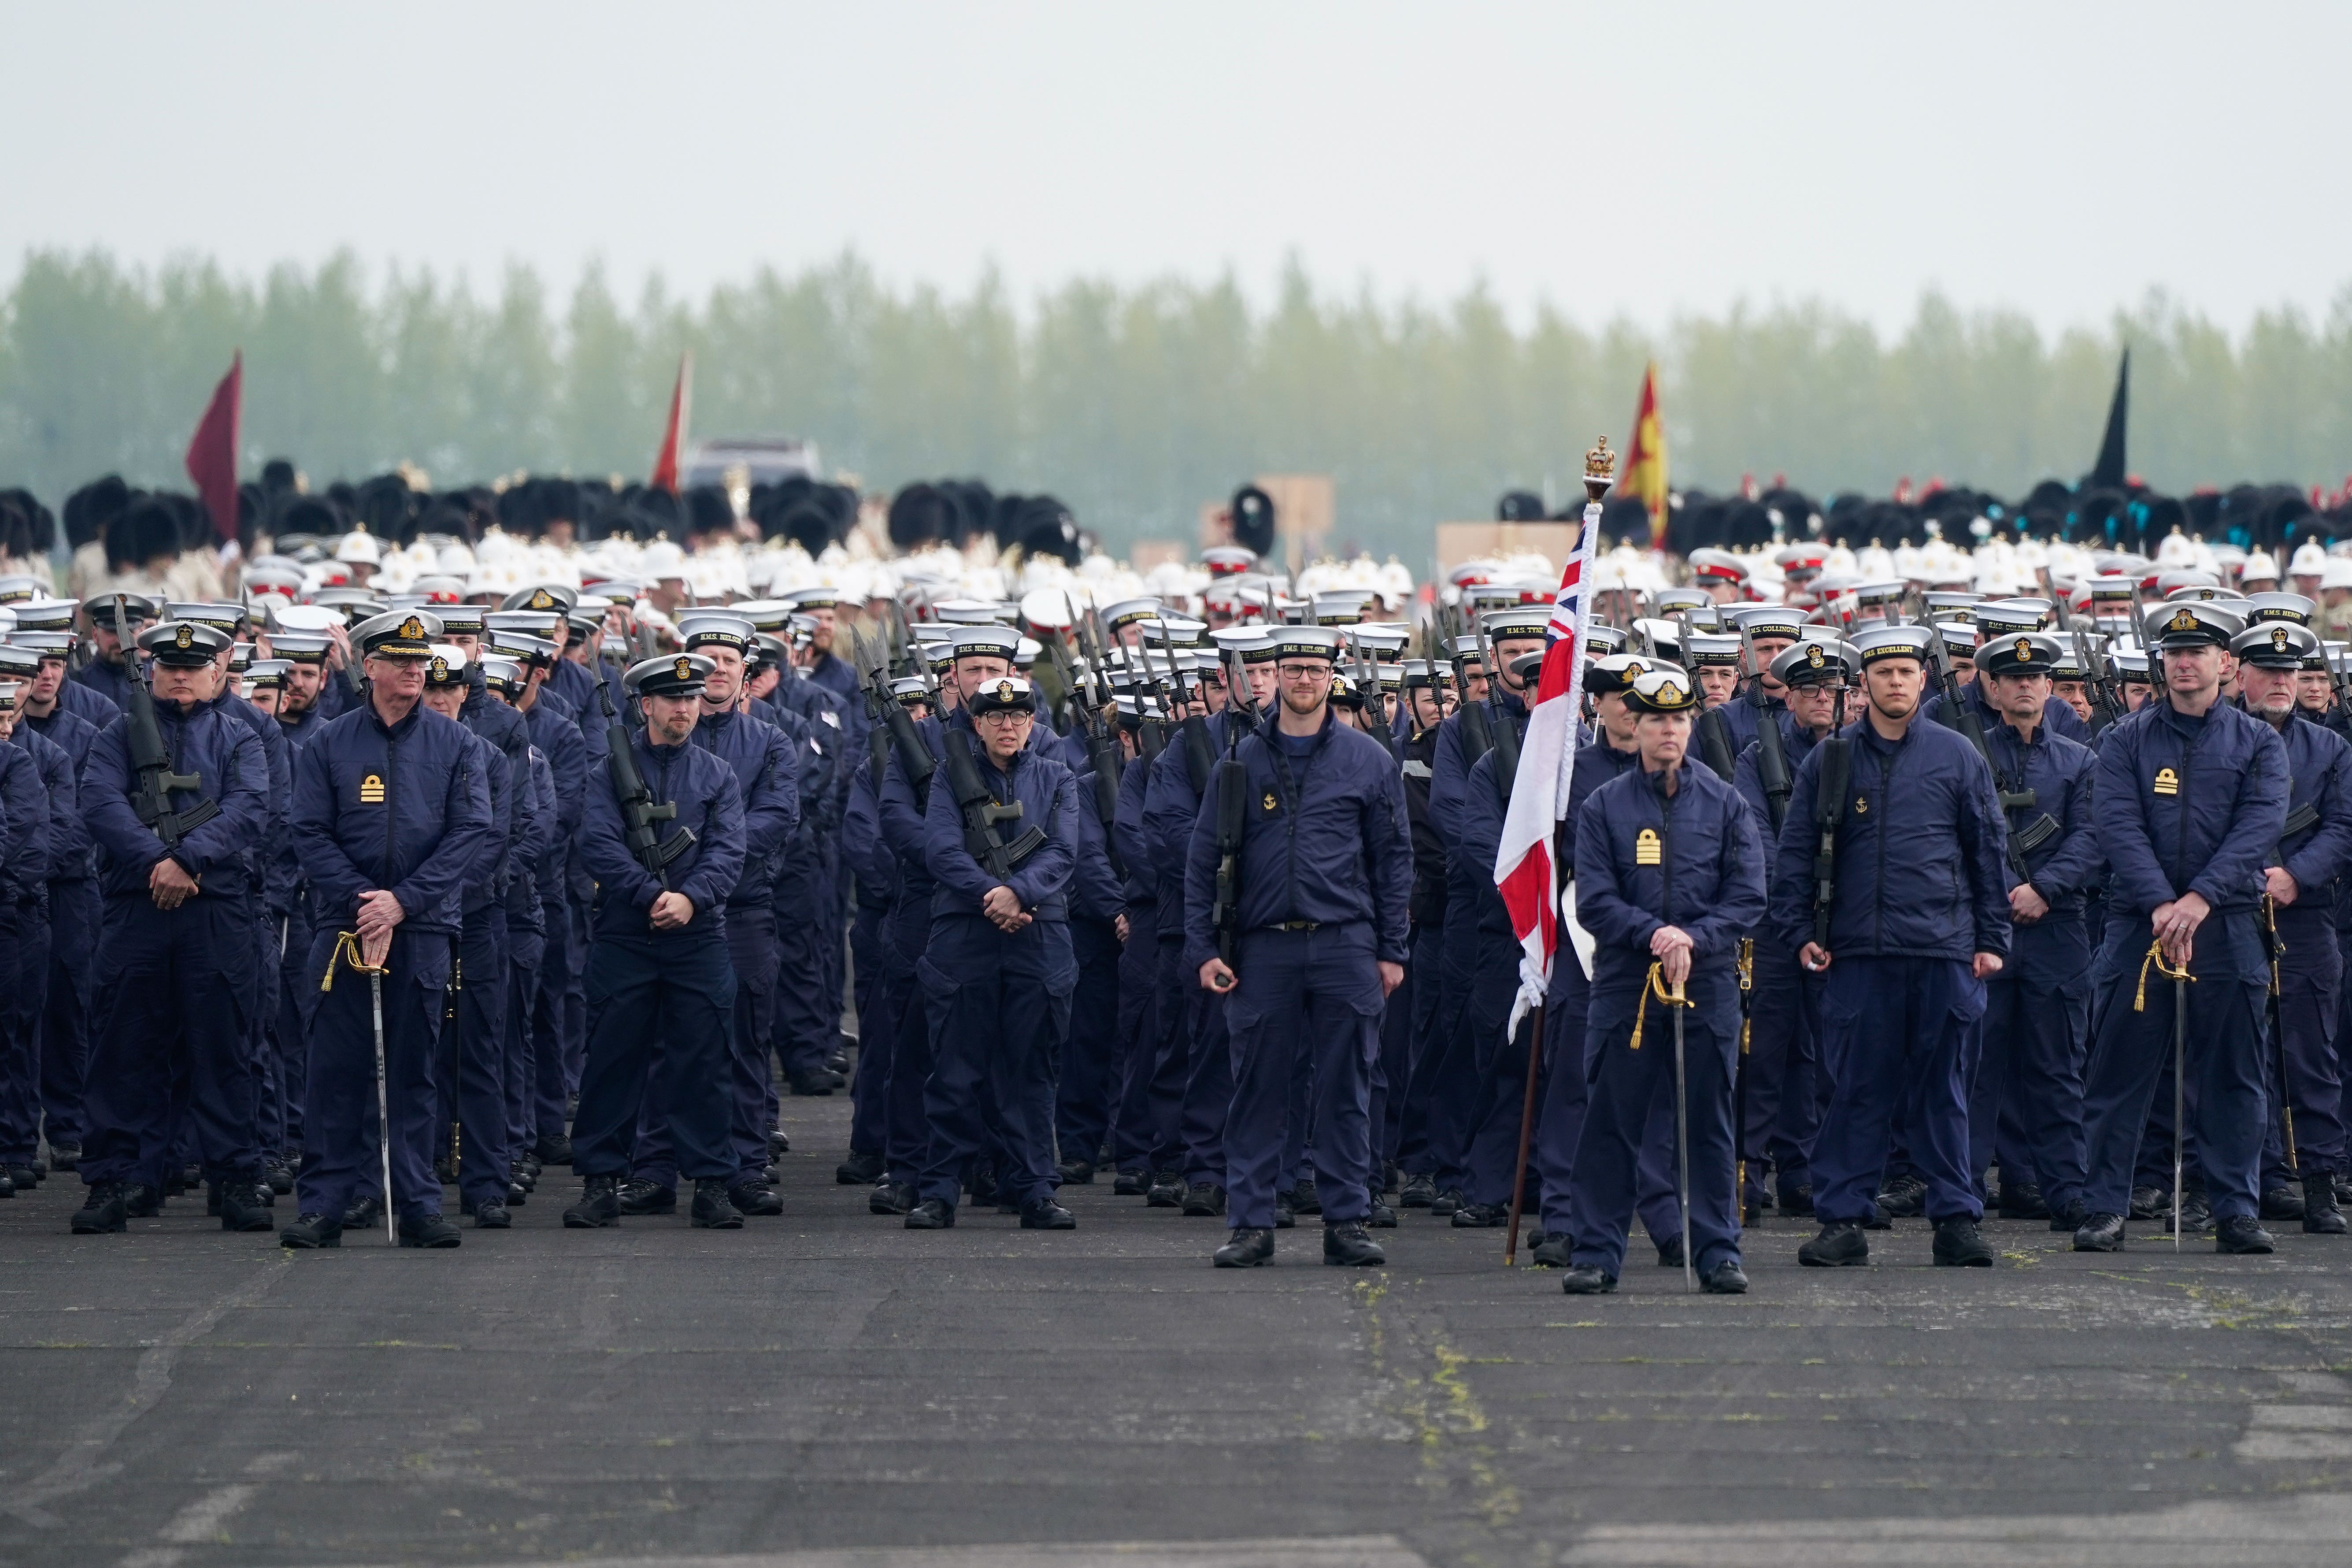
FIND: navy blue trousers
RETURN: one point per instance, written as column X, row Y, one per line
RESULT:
column 65, row 1008
column 808, row 1018
column 869, row 1085
column 472, row 1070
column 25, row 964
column 1783, row 1099
column 751, row 957
column 1090, row 1062
column 2131, row 1049
column 166, row 1009
column 1410, row 1094
column 339, row 1155
column 1896, row 1038
column 1209, row 1090
column 298, row 1004
column 671, row 993
column 525, row 948
column 999, row 1010
column 551, row 1063
column 2311, row 973
column 1629, row 1094
column 1139, row 1036
column 1171, row 1055
column 1313, row 995
column 2025, row 1110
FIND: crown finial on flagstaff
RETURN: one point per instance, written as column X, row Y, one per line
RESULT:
column 1599, row 468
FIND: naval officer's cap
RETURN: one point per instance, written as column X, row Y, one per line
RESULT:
column 672, row 675
column 2277, row 645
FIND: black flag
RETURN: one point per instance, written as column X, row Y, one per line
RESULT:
column 2108, row 471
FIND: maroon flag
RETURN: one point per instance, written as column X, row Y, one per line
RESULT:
column 211, row 450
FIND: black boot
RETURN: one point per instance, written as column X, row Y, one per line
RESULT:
column 1725, row 1279
column 1379, row 1217
column 1670, row 1252
column 1551, row 1252
column 1076, row 1172
column 1797, row 1200
column 930, row 1215
column 712, row 1208
column 891, row 1197
column 642, row 1196
column 599, row 1204
column 311, row 1231
column 492, row 1215
column 1304, row 1199
column 817, row 1081
column 65, row 1156
column 1350, row 1244
column 755, row 1198
column 1958, row 1244
column 363, row 1212
column 2100, row 1233
column 2242, row 1233
column 430, row 1230
column 1167, row 1190
column 1841, row 1245
column 1586, row 1279
column 1044, row 1213
column 2022, row 1200
column 102, row 1210
column 1418, row 1192
column 1904, row 1197
column 243, row 1208
column 1205, row 1200
column 1247, row 1248
column 141, row 1200
column 2147, row 1203
column 1480, row 1217
column 1131, row 1185
column 2282, row 1202
column 858, row 1170
column 554, row 1150
column 2070, row 1217
column 1447, row 1200
column 2320, row 1214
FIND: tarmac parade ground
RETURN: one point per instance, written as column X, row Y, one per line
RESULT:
column 828, row 1390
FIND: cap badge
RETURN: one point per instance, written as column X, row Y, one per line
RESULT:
column 2278, row 638
column 685, row 668
column 1634, row 666
column 2167, row 782
column 183, row 637
column 1004, row 691
column 1670, row 694
column 1647, row 851
column 440, row 667
column 1813, row 655
column 542, row 600
column 412, row 629
column 2024, row 651
column 2181, row 622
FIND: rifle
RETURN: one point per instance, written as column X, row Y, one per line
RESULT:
column 2278, row 1032
column 890, row 716
column 1502, row 735
column 982, row 813
column 1102, row 758
column 152, row 780
column 1199, row 751
column 1232, row 793
column 639, row 812
column 1368, row 681
column 1829, row 811
column 2107, row 694
column 1771, row 756
column 1963, row 717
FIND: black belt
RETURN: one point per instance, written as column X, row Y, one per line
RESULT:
column 1299, row 925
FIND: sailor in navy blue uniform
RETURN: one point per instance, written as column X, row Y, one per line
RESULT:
column 2192, row 803
column 2302, row 883
column 1918, row 920
column 658, row 973
column 1771, row 630
column 44, row 706
column 2026, row 1106
column 66, row 844
column 766, row 772
column 1669, row 878
column 391, row 814
column 998, row 969
column 1324, row 872
column 167, row 989
column 1784, row 1002
column 104, row 674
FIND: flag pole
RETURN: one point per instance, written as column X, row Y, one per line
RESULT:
column 1599, row 466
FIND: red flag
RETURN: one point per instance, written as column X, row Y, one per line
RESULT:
column 1645, row 459
column 666, row 459
column 211, row 450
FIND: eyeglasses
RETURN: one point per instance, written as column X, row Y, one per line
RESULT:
column 1304, row 671
column 1002, row 716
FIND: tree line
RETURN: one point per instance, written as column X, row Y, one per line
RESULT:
column 1134, row 405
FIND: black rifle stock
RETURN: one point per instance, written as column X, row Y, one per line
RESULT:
column 639, row 812
column 982, row 812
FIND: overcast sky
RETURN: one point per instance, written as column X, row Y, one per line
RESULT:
column 1639, row 160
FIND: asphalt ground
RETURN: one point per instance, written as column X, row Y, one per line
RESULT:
column 828, row 1390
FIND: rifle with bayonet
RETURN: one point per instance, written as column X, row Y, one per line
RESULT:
column 2106, row 692
column 1200, row 750
column 1103, row 759
column 1375, row 700
column 151, row 778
